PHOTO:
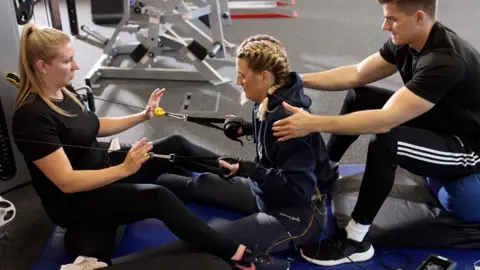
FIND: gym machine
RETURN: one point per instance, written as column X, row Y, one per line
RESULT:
column 13, row 169
column 106, row 12
column 262, row 9
column 14, row 172
column 153, row 23
column 89, row 35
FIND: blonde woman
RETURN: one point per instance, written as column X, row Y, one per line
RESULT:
column 277, row 190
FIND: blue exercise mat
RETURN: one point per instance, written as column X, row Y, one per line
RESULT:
column 149, row 233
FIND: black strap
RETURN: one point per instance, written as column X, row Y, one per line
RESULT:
column 209, row 122
column 206, row 121
column 220, row 171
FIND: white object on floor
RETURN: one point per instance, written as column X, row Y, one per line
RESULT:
column 7, row 211
column 84, row 263
column 114, row 145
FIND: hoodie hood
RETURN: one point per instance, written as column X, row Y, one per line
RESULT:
column 291, row 92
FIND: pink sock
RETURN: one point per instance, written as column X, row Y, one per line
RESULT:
column 246, row 268
column 238, row 256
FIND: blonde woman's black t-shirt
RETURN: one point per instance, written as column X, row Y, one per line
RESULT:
column 39, row 131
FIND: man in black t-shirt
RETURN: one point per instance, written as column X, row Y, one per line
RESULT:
column 430, row 126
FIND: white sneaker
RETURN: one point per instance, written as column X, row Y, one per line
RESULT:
column 84, row 263
column 114, row 145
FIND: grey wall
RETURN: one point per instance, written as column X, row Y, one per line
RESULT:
column 9, row 44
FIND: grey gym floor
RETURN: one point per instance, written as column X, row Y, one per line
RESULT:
column 326, row 34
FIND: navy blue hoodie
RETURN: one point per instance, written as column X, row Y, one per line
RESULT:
column 286, row 174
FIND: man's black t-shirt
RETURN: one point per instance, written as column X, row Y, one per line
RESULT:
column 37, row 122
column 445, row 72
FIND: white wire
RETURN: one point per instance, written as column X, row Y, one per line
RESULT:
column 475, row 266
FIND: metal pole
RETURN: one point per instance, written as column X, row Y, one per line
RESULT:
column 55, row 17
column 72, row 17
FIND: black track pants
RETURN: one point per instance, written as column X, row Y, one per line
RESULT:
column 419, row 146
column 139, row 197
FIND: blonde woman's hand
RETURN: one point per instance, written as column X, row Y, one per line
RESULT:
column 137, row 155
column 154, row 102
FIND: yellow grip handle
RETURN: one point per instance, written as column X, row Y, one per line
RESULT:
column 159, row 112
column 13, row 78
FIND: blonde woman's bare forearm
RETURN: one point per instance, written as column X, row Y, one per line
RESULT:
column 84, row 180
column 113, row 125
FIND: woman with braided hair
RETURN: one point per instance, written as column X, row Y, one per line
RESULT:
column 277, row 191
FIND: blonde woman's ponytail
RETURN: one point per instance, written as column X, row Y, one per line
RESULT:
column 38, row 44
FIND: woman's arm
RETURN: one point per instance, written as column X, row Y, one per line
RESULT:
column 113, row 125
column 36, row 136
column 58, row 169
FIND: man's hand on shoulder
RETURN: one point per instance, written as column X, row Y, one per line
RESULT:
column 294, row 126
column 403, row 106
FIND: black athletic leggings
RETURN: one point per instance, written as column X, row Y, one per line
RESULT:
column 420, row 146
column 138, row 197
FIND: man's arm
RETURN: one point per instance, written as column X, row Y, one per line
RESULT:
column 113, row 125
column 400, row 108
column 372, row 69
column 436, row 74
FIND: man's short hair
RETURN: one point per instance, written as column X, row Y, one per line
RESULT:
column 410, row 6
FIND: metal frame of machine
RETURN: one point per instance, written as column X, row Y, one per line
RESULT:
column 262, row 9
column 152, row 21
column 14, row 172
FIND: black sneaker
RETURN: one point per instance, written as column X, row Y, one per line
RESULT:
column 337, row 249
column 336, row 171
column 262, row 261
